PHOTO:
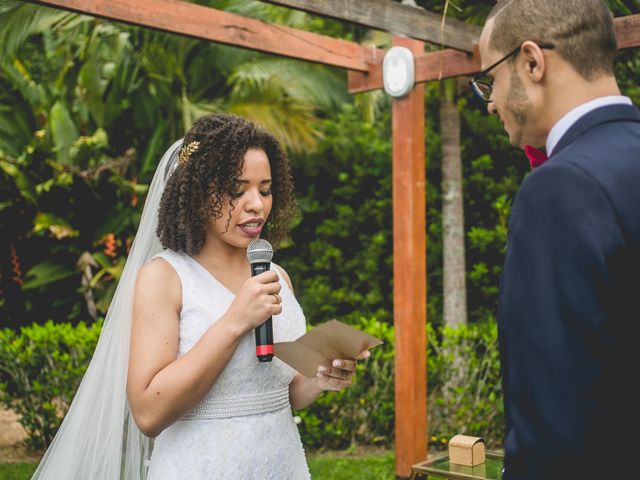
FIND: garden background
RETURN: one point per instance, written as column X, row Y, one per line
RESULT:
column 87, row 107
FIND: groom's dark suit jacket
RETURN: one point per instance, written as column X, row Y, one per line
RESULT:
column 569, row 313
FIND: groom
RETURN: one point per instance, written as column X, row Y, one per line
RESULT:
column 569, row 314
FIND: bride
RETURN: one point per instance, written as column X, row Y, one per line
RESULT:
column 174, row 390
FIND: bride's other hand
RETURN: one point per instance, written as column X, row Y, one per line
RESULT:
column 341, row 373
column 303, row 391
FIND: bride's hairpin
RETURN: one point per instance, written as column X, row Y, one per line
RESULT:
column 187, row 150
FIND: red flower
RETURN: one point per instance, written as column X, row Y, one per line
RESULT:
column 15, row 265
column 110, row 245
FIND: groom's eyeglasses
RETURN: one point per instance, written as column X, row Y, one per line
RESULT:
column 482, row 85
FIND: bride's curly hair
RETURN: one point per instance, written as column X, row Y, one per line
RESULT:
column 198, row 188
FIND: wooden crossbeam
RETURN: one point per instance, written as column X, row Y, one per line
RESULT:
column 628, row 31
column 429, row 66
column 207, row 23
column 453, row 63
column 414, row 22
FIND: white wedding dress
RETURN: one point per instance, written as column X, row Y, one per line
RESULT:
column 244, row 428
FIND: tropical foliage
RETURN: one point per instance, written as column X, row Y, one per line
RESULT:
column 87, row 109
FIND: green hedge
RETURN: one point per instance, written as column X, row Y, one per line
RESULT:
column 464, row 387
column 464, row 392
column 42, row 365
column 40, row 370
column 362, row 414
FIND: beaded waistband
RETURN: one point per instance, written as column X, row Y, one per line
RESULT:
column 239, row 406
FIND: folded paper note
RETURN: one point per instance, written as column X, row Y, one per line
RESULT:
column 323, row 344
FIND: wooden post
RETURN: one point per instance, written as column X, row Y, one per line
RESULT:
column 409, row 274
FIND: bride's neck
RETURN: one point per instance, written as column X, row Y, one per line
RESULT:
column 222, row 256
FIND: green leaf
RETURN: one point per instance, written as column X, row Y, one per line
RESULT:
column 21, row 180
column 103, row 260
column 116, row 221
column 154, row 148
column 45, row 273
column 59, row 227
column 63, row 129
column 30, row 91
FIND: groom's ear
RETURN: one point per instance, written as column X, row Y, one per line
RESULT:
column 534, row 61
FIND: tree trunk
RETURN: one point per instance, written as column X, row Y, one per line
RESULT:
column 454, row 271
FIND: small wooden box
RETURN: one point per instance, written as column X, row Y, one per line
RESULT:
column 466, row 450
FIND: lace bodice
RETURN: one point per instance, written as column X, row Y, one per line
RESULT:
column 220, row 444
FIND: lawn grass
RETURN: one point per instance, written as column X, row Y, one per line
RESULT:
column 325, row 466
column 17, row 471
column 337, row 466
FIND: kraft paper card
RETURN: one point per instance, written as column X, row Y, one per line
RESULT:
column 323, row 344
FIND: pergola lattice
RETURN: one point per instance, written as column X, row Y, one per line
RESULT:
column 411, row 27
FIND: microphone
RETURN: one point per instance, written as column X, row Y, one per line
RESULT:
column 259, row 254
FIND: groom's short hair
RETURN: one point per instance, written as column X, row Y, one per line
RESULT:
column 581, row 31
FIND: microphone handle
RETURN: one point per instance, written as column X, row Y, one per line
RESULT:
column 264, row 333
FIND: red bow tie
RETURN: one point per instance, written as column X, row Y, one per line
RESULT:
column 535, row 156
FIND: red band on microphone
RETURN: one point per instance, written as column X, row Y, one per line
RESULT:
column 264, row 350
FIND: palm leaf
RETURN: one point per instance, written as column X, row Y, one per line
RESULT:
column 20, row 20
column 21, row 80
column 369, row 104
column 191, row 110
column 476, row 14
column 291, row 121
column 624, row 7
column 323, row 87
column 16, row 126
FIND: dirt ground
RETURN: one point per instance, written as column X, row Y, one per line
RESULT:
column 12, row 436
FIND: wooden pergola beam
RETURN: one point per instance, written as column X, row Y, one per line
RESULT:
column 429, row 66
column 628, row 31
column 206, row 23
column 413, row 22
column 453, row 63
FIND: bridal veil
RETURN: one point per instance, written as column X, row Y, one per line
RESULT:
column 98, row 438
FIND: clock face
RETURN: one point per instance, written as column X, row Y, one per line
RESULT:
column 398, row 71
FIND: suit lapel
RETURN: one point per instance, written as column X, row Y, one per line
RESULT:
column 609, row 113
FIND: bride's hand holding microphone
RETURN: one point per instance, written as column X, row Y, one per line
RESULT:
column 256, row 301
